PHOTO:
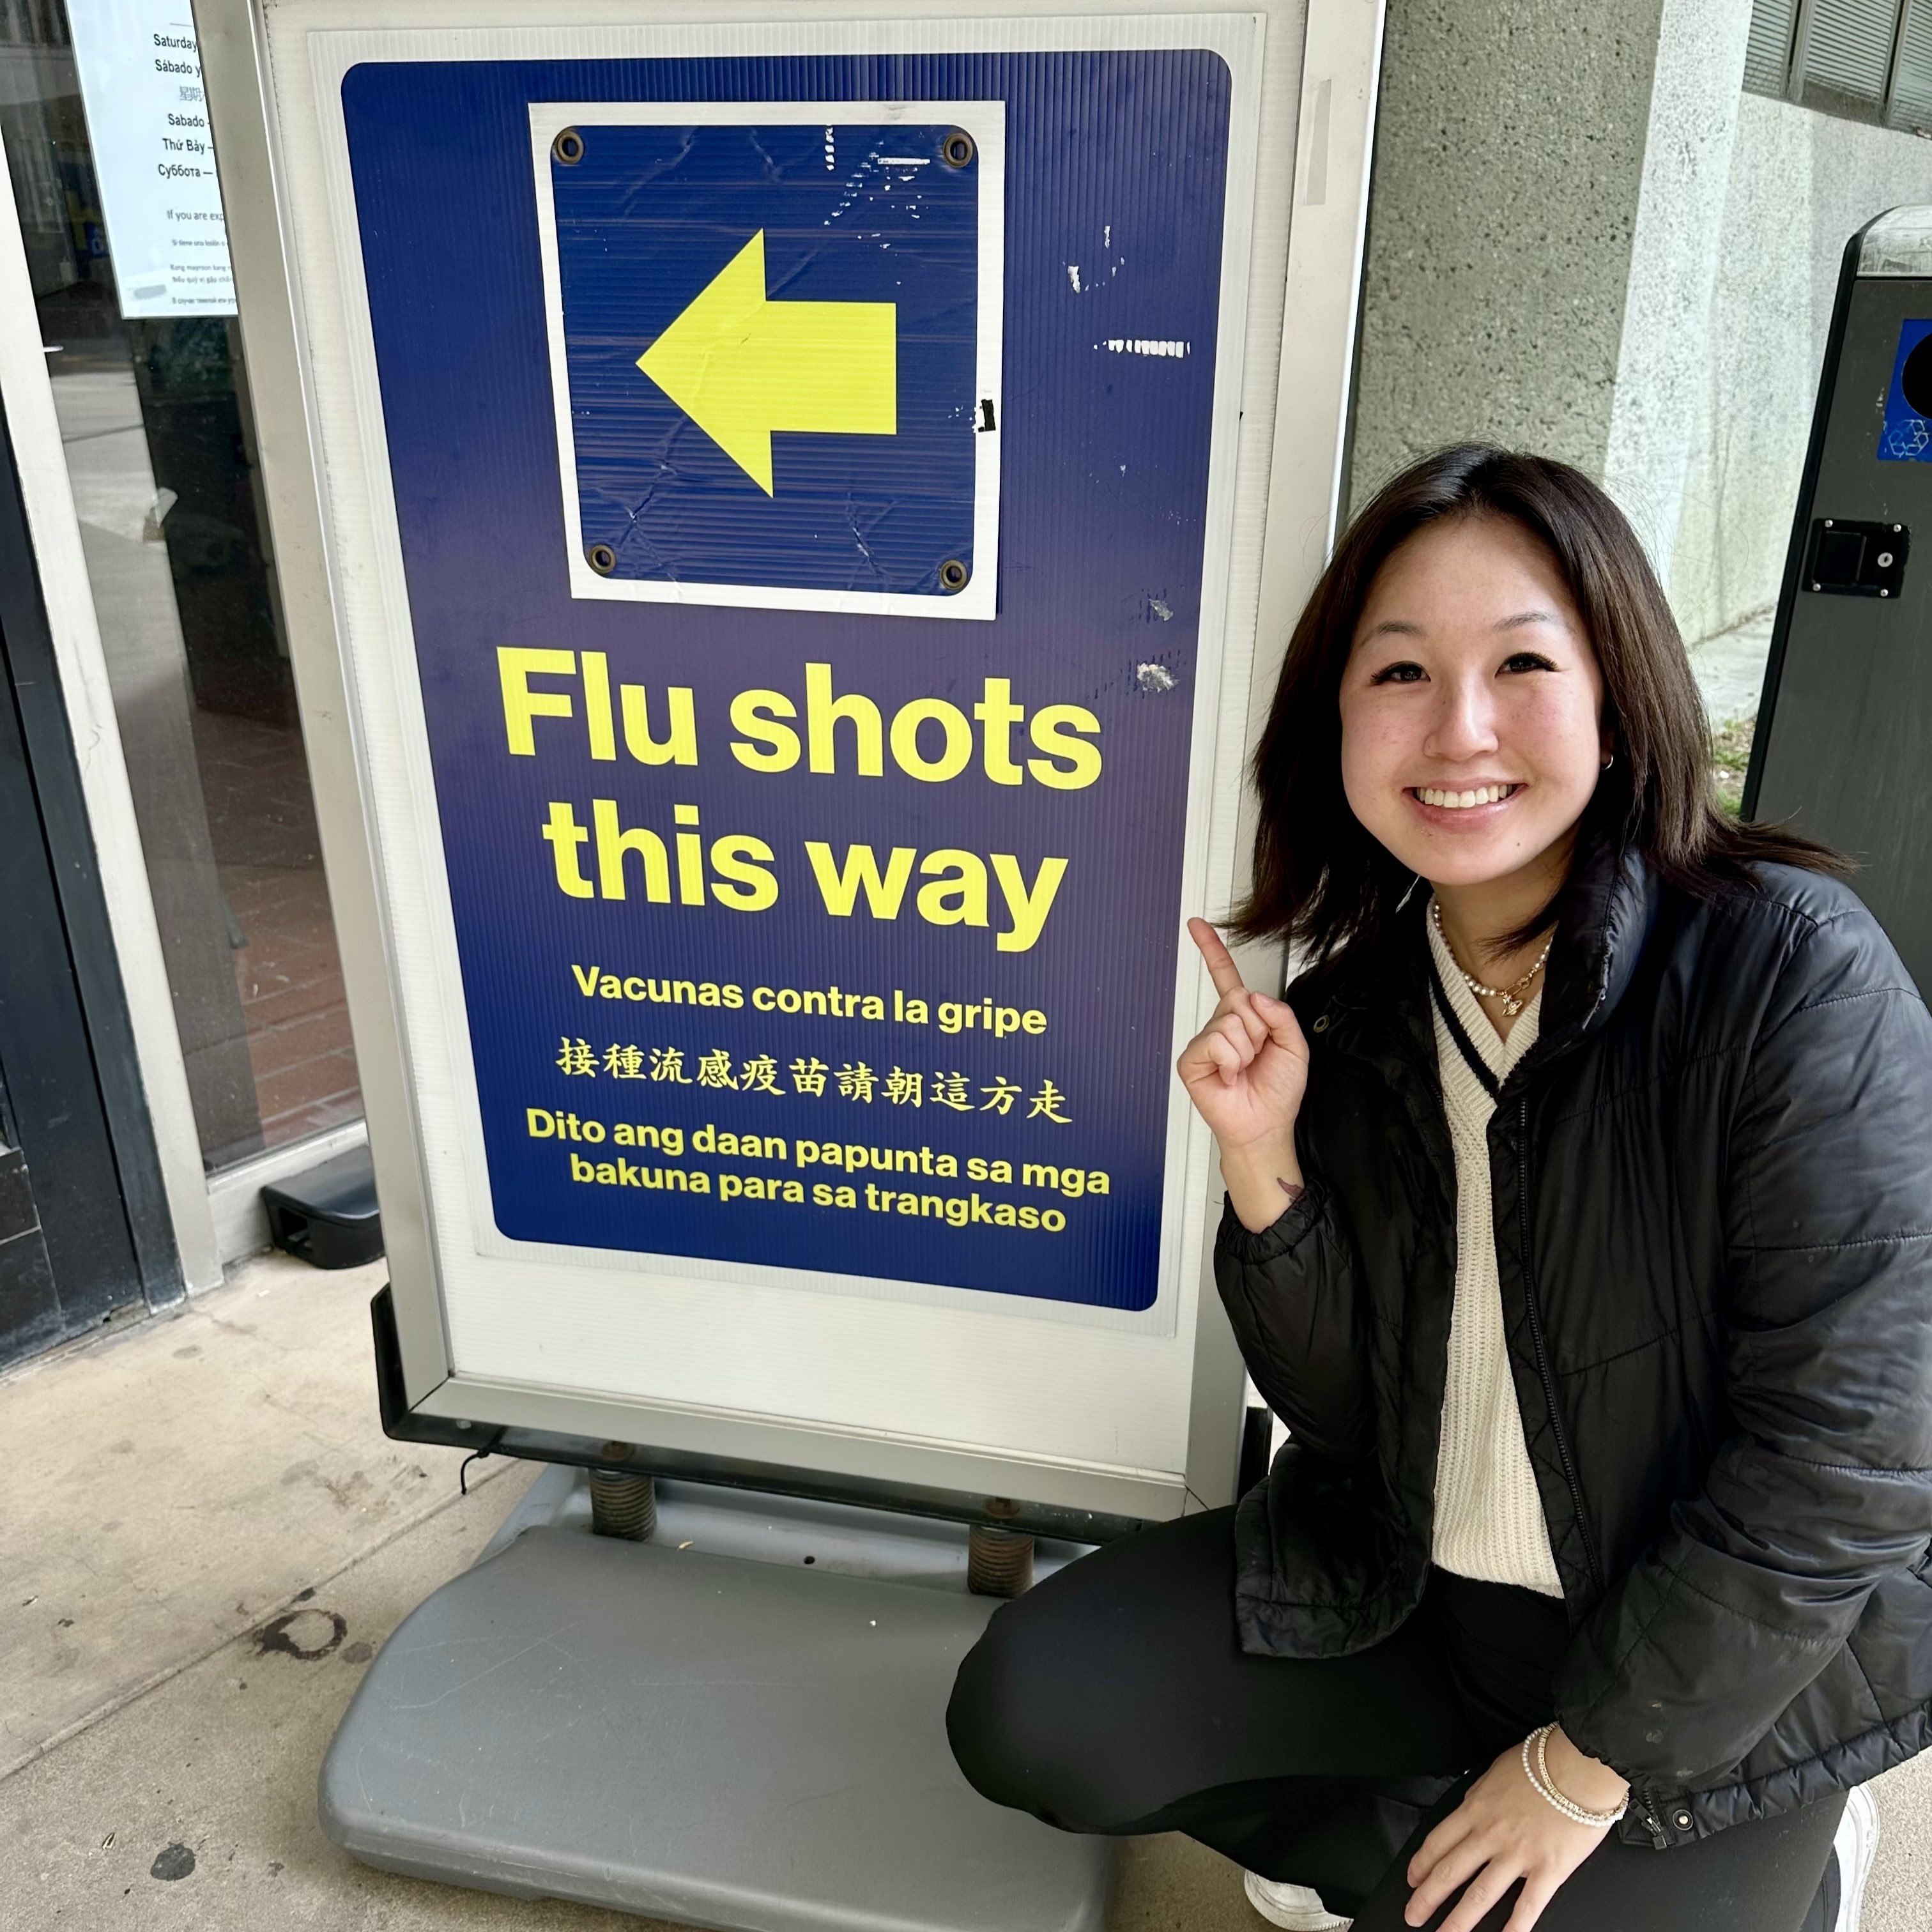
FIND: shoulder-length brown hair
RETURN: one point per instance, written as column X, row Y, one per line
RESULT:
column 1321, row 881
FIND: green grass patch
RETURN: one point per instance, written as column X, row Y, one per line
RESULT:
column 1730, row 756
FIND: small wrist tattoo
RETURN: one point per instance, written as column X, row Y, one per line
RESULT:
column 1294, row 1189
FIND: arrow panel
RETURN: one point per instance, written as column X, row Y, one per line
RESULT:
column 771, row 352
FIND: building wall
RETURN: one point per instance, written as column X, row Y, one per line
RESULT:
column 1585, row 239
column 1509, row 157
column 1801, row 185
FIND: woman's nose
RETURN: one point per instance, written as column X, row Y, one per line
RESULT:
column 1464, row 726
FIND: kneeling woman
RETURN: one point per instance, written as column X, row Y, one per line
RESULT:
column 1580, row 1227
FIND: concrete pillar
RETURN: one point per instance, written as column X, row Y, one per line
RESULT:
column 1697, row 81
column 1547, row 202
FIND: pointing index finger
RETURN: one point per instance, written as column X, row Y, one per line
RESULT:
column 1221, row 967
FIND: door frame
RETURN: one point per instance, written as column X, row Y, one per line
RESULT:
column 72, row 1085
column 117, row 942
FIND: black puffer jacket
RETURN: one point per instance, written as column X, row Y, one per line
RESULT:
column 1712, row 1177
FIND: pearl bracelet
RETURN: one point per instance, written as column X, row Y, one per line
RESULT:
column 1538, row 1772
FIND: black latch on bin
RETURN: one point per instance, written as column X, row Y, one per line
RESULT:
column 329, row 1216
column 1855, row 560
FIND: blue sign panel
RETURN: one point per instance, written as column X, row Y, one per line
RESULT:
column 1907, row 436
column 819, row 937
column 768, row 335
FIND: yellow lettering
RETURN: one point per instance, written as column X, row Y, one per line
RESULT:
column 753, row 888
column 1049, row 730
column 823, row 712
column 998, row 713
column 951, row 720
column 1029, row 908
column 680, row 748
column 690, row 858
column 515, row 666
column 957, row 896
column 597, row 705
column 612, row 842
column 749, row 711
column 840, row 887
column 565, row 835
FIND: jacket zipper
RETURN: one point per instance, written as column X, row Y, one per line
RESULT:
column 1543, row 1363
column 1654, row 1825
column 1646, row 1803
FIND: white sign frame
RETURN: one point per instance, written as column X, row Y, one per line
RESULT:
column 1129, row 1414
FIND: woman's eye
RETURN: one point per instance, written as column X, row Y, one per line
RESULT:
column 1523, row 660
column 1405, row 673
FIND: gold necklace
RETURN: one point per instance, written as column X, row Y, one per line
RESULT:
column 1514, row 997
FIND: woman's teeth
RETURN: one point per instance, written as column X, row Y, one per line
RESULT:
column 1458, row 801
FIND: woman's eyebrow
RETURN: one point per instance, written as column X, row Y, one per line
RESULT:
column 1396, row 627
column 1523, row 617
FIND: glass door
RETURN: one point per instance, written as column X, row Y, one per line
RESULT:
column 106, row 143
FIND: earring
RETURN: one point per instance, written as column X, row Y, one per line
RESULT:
column 1406, row 896
column 1608, row 762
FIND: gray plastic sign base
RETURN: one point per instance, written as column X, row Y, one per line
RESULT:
column 747, row 1744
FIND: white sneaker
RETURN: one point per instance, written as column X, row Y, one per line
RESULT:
column 1854, row 1847
column 1298, row 1908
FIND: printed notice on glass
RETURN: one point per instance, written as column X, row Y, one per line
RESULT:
column 140, row 78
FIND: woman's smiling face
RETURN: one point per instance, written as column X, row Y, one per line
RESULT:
column 1471, row 703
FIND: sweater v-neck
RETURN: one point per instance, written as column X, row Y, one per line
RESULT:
column 1499, row 1055
column 1489, row 1520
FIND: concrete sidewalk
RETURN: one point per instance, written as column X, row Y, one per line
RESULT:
column 206, row 1538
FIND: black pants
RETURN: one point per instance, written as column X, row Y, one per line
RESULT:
column 1114, row 1698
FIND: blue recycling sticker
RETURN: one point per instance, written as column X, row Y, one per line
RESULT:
column 1907, row 435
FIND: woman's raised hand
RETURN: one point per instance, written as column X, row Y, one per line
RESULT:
column 1246, row 1071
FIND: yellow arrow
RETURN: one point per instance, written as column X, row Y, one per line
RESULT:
column 741, row 367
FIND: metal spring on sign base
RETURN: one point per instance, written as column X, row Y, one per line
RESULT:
column 999, row 1561
column 621, row 1503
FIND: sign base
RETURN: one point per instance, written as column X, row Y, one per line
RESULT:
column 745, row 1732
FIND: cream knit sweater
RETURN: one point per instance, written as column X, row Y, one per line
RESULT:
column 1489, row 1518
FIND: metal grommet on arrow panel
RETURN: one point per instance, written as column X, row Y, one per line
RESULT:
column 602, row 558
column 953, row 574
column 957, row 149
column 569, row 147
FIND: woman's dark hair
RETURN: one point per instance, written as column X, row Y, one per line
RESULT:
column 1322, row 881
